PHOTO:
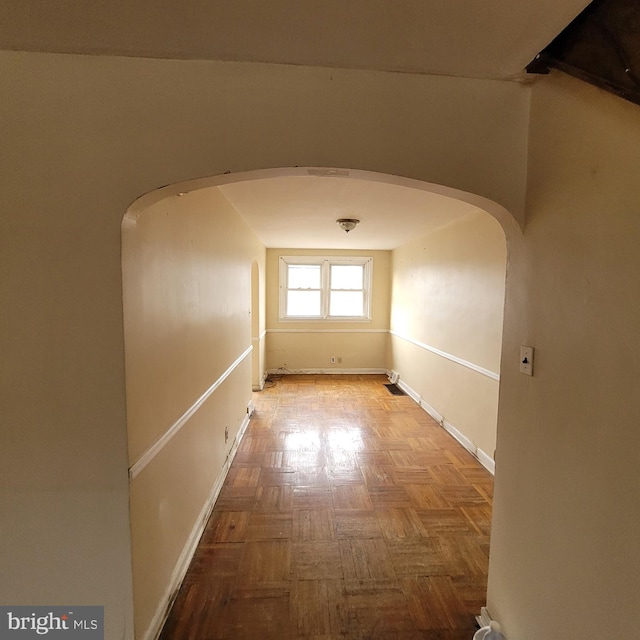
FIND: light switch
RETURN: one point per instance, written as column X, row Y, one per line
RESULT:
column 526, row 360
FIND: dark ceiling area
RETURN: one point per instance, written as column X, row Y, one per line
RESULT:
column 601, row 46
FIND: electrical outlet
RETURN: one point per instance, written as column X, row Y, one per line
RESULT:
column 333, row 359
column 526, row 360
column 226, row 434
column 339, row 359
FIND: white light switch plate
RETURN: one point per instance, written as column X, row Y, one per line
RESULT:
column 526, row 360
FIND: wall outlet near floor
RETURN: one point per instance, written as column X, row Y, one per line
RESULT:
column 226, row 434
column 339, row 359
column 333, row 359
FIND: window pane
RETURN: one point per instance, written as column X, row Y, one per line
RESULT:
column 304, row 276
column 347, row 276
column 346, row 303
column 303, row 303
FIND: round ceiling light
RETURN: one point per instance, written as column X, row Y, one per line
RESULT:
column 347, row 224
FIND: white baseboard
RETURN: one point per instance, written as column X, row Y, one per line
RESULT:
column 260, row 387
column 484, row 459
column 184, row 560
column 393, row 376
column 411, row 393
column 332, row 370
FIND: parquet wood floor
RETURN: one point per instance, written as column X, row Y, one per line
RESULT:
column 348, row 513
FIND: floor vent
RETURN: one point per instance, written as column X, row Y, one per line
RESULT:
column 395, row 390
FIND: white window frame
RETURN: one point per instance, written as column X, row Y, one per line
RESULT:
column 325, row 263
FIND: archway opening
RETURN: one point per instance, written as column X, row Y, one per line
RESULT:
column 194, row 264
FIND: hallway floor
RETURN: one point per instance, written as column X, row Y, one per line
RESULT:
column 347, row 513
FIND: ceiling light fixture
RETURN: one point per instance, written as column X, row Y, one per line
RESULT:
column 347, row 224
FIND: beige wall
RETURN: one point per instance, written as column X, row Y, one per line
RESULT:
column 448, row 296
column 309, row 345
column 565, row 552
column 187, row 265
column 84, row 136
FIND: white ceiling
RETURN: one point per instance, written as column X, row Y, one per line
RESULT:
column 301, row 211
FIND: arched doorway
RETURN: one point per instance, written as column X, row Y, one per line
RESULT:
column 192, row 268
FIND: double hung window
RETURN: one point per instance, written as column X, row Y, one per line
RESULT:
column 325, row 288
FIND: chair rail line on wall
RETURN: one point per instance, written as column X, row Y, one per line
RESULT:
column 157, row 446
column 465, row 363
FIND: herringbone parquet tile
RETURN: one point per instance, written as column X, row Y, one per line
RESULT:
column 348, row 513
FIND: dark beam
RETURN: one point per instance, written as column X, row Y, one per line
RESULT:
column 601, row 46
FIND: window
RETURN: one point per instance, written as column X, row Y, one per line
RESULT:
column 319, row 288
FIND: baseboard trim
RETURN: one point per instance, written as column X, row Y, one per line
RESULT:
column 260, row 387
column 483, row 458
column 486, row 461
column 333, row 370
column 410, row 392
column 184, row 560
